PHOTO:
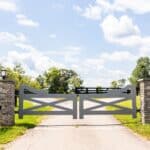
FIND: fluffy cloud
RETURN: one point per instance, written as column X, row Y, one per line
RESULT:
column 70, row 54
column 31, row 59
column 100, row 7
column 120, row 30
column 6, row 37
column 124, row 32
column 92, row 70
column 104, row 77
column 92, row 12
column 77, row 8
column 24, row 21
column 118, row 56
column 137, row 6
column 8, row 5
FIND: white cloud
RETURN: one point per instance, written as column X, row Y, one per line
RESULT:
column 8, row 5
column 77, row 8
column 99, row 7
column 103, row 77
column 116, row 29
column 69, row 53
column 92, row 12
column 144, row 51
column 92, row 70
column 25, row 46
column 24, row 21
column 137, row 6
column 6, row 37
column 31, row 59
column 118, row 56
column 52, row 36
column 124, row 32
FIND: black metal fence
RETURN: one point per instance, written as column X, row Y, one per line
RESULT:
column 93, row 90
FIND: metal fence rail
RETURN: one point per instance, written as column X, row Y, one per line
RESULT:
column 93, row 90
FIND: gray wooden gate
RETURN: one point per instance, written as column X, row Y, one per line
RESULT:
column 102, row 99
column 38, row 97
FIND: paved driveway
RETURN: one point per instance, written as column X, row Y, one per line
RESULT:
column 91, row 133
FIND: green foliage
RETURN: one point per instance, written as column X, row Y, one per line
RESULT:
column 114, row 84
column 61, row 80
column 17, row 74
column 142, row 70
column 57, row 80
column 118, row 84
column 121, row 82
column 41, row 80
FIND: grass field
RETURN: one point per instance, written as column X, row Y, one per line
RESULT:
column 133, row 124
column 8, row 134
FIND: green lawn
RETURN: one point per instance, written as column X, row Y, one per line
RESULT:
column 133, row 124
column 8, row 134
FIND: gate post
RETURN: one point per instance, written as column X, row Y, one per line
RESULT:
column 145, row 100
column 81, row 106
column 21, row 92
column 7, row 103
column 75, row 101
column 133, row 89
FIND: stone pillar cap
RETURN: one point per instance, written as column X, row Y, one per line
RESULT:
column 144, row 79
column 8, row 81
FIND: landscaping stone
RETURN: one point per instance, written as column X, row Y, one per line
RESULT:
column 7, row 101
column 145, row 100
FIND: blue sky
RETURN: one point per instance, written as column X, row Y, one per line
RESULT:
column 100, row 39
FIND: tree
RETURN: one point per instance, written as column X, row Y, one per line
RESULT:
column 121, row 82
column 118, row 83
column 41, row 80
column 61, row 80
column 17, row 74
column 114, row 84
column 18, row 68
column 142, row 70
column 74, row 82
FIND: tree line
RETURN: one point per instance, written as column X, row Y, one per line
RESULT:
column 55, row 80
column 63, row 80
column 141, row 70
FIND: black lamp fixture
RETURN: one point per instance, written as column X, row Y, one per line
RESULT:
column 3, row 74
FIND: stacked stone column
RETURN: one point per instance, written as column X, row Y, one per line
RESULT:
column 7, row 101
column 145, row 100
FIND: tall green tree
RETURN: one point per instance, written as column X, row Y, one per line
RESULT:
column 121, row 82
column 17, row 74
column 61, row 80
column 114, row 84
column 118, row 83
column 41, row 80
column 142, row 70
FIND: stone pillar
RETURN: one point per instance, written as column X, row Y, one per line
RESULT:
column 145, row 100
column 7, row 101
